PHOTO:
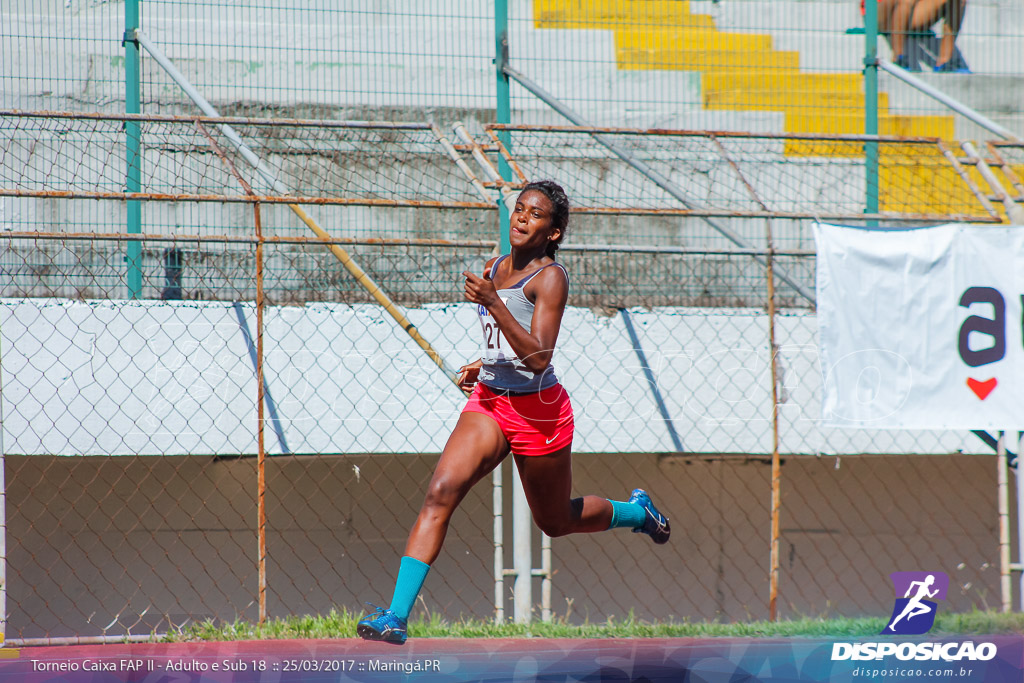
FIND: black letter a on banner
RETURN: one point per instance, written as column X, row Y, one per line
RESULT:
column 995, row 328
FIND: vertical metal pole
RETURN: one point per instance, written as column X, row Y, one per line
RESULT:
column 871, row 105
column 499, row 547
column 503, row 110
column 3, row 541
column 1002, row 476
column 261, row 453
column 3, row 520
column 545, row 581
column 773, row 577
column 1020, row 517
column 522, row 548
column 132, row 130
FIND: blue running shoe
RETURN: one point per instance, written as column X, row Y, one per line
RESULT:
column 383, row 624
column 655, row 524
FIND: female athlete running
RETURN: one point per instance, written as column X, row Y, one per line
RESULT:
column 516, row 405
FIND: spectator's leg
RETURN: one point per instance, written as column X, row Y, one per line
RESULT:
column 953, row 20
column 885, row 9
column 925, row 13
column 899, row 25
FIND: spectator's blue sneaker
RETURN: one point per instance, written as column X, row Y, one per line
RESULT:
column 655, row 524
column 382, row 624
column 951, row 68
column 903, row 62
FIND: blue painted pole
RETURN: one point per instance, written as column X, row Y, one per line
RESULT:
column 133, row 181
column 503, row 111
column 871, row 106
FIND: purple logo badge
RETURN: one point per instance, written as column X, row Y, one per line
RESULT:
column 914, row 611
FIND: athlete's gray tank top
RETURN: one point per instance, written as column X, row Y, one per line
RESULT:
column 501, row 369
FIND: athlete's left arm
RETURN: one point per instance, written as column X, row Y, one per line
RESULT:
column 550, row 292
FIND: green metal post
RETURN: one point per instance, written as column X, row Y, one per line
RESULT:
column 504, row 109
column 133, row 181
column 871, row 104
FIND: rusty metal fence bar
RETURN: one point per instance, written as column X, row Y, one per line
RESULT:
column 1005, row 165
column 261, row 452
column 909, row 158
column 272, row 239
column 18, row 131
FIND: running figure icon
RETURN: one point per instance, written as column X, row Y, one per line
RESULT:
column 915, row 606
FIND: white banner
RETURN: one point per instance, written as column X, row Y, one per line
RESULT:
column 921, row 328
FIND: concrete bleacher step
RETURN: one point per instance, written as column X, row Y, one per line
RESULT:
column 775, row 99
column 739, row 70
column 607, row 14
column 948, row 191
column 689, row 39
column 697, row 59
column 853, row 123
column 813, row 103
column 756, row 79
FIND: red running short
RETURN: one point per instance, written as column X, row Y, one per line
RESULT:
column 533, row 424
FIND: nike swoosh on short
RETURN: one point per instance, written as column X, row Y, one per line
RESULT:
column 551, row 439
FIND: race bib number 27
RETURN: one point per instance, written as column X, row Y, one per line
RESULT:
column 495, row 346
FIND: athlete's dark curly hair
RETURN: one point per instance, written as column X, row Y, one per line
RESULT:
column 559, row 205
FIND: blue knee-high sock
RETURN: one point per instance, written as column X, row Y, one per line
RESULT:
column 411, row 575
column 631, row 515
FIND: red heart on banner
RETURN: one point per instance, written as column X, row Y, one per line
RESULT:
column 982, row 389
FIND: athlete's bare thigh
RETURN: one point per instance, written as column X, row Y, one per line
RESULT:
column 476, row 446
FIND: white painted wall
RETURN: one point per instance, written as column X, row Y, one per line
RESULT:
column 168, row 378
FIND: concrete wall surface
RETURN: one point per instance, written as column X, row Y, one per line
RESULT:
column 143, row 544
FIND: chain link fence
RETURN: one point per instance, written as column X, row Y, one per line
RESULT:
column 211, row 495
column 225, row 342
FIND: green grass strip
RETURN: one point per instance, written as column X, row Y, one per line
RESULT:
column 342, row 624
